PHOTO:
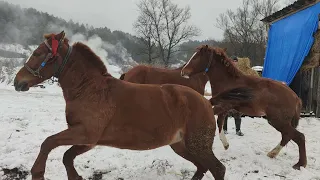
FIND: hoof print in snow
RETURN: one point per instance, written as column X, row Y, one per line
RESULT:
column 254, row 171
column 14, row 174
column 97, row 175
column 186, row 174
column 233, row 158
column 161, row 166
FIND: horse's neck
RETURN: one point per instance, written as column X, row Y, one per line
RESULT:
column 76, row 76
column 221, row 79
column 201, row 80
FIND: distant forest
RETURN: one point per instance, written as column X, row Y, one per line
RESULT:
column 26, row 26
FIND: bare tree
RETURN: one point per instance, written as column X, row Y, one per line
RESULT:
column 167, row 24
column 243, row 28
column 143, row 29
column 288, row 2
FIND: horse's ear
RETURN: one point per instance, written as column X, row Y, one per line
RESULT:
column 225, row 49
column 61, row 35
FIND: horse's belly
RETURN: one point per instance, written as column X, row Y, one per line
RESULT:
column 252, row 111
column 136, row 139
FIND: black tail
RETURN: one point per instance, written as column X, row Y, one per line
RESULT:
column 234, row 96
column 122, row 76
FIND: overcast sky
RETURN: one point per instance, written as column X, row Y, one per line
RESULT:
column 120, row 14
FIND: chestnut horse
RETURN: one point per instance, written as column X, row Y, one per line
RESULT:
column 144, row 74
column 277, row 102
column 103, row 110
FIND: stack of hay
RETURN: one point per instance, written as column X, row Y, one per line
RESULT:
column 313, row 58
column 244, row 65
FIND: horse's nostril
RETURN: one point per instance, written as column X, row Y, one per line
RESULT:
column 21, row 86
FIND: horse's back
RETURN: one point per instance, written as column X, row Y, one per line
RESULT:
column 183, row 96
column 274, row 96
column 144, row 74
column 137, row 74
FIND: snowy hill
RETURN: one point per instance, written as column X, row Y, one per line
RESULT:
column 115, row 57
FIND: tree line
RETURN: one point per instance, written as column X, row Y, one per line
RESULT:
column 163, row 30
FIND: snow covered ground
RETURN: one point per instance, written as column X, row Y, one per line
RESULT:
column 26, row 119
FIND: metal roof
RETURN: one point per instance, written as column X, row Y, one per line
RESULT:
column 292, row 8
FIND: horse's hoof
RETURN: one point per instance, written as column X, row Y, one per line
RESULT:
column 298, row 165
column 37, row 178
column 226, row 147
column 272, row 154
column 79, row 178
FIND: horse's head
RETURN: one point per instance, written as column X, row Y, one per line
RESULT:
column 45, row 61
column 200, row 61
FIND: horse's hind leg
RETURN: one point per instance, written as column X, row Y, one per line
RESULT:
column 288, row 133
column 69, row 157
column 199, row 144
column 299, row 138
column 222, row 136
column 181, row 150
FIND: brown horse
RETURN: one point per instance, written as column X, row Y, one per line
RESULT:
column 277, row 102
column 103, row 110
column 144, row 74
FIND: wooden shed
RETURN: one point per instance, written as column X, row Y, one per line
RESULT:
column 293, row 51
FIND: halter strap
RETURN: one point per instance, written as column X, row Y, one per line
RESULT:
column 64, row 62
column 209, row 63
column 49, row 56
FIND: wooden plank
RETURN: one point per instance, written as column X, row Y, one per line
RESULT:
column 317, row 112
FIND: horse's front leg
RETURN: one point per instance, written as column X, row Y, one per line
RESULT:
column 72, row 136
column 69, row 157
column 222, row 136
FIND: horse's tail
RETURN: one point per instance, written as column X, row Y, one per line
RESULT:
column 233, row 97
column 296, row 117
column 122, row 76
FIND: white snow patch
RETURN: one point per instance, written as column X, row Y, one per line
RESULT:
column 28, row 118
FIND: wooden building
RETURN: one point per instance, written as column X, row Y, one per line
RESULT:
column 306, row 78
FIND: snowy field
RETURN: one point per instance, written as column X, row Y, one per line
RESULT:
column 27, row 118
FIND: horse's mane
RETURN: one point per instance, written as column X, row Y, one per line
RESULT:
column 220, row 56
column 87, row 53
column 91, row 56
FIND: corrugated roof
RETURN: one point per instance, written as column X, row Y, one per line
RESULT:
column 299, row 4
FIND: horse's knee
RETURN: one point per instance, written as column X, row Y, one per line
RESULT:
column 67, row 157
column 299, row 137
column 48, row 144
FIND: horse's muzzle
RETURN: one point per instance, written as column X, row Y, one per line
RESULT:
column 20, row 86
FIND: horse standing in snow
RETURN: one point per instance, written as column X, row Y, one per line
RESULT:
column 103, row 110
column 272, row 99
column 143, row 74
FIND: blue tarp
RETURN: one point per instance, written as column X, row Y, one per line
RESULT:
column 289, row 41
